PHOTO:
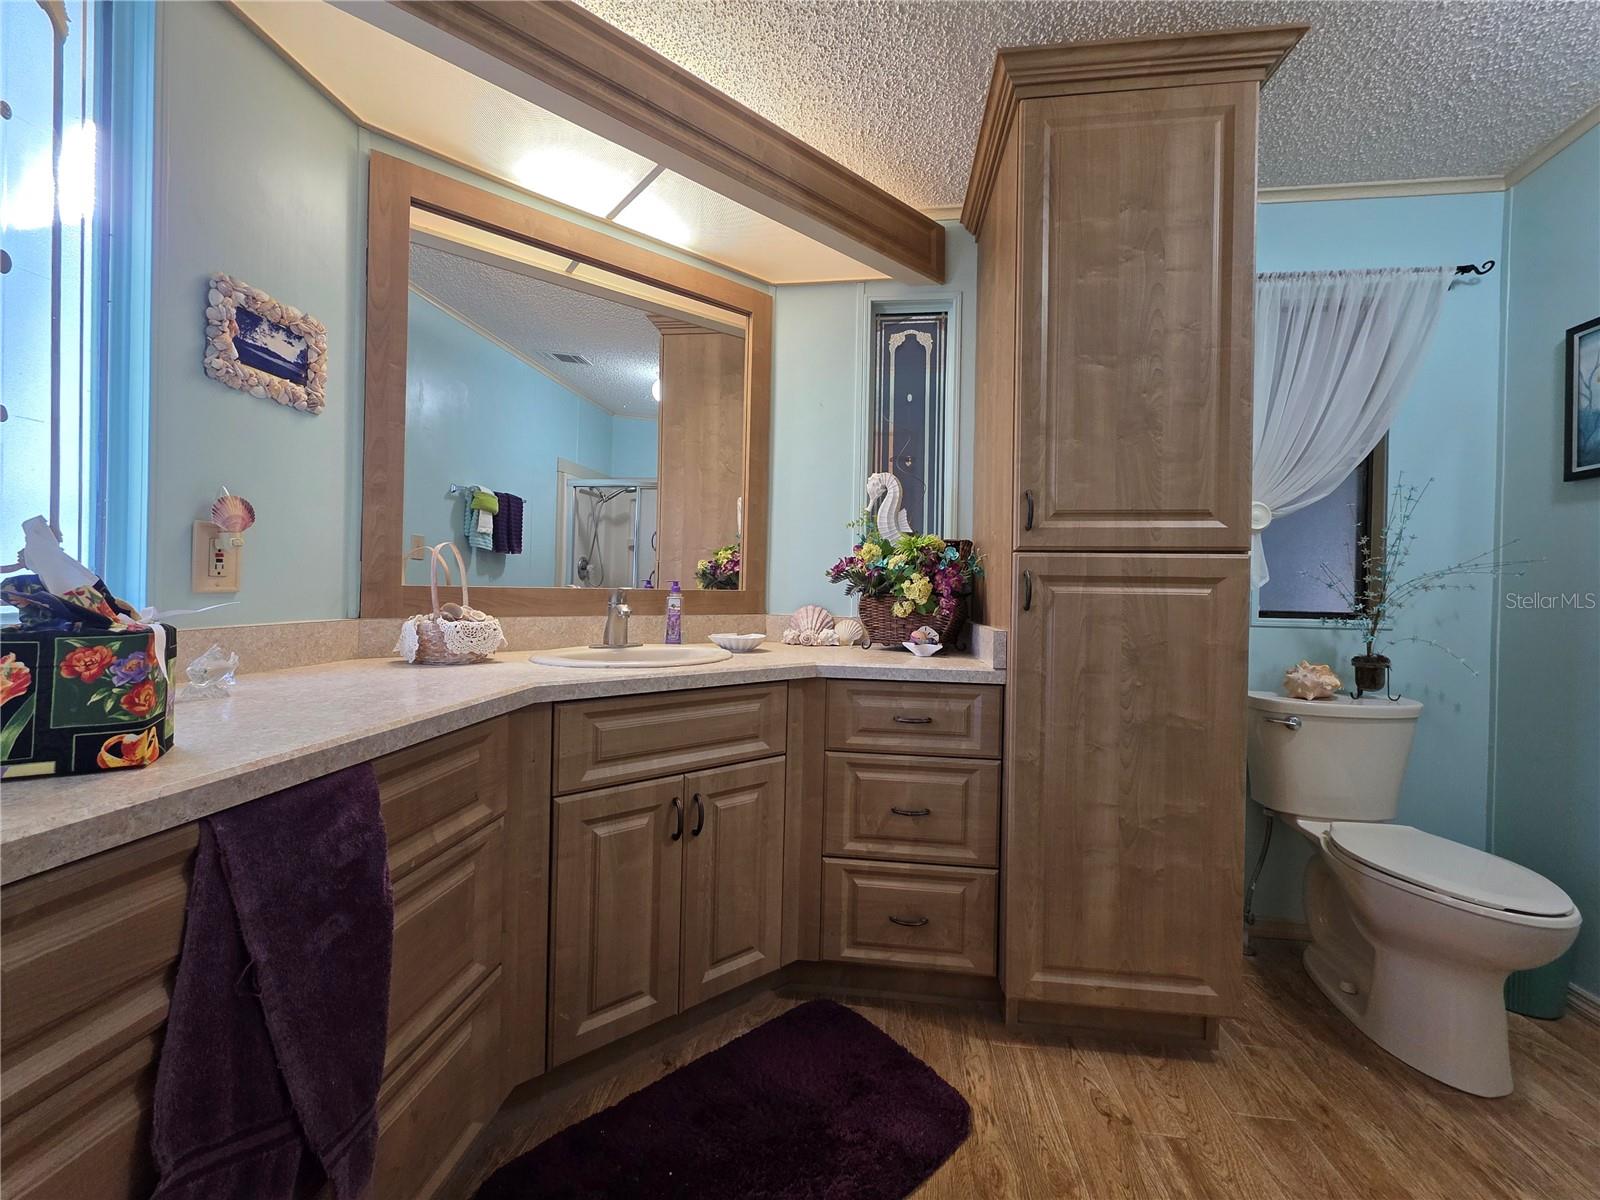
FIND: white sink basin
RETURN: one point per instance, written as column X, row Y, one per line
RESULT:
column 631, row 658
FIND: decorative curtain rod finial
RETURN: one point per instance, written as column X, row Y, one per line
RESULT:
column 1470, row 269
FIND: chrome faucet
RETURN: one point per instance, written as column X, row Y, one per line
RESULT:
column 617, row 614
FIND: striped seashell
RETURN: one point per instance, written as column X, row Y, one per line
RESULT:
column 812, row 617
column 851, row 632
column 233, row 514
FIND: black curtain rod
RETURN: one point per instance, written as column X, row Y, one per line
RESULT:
column 1469, row 269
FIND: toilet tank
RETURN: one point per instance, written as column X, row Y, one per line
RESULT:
column 1338, row 759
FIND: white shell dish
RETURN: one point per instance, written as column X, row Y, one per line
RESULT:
column 738, row 643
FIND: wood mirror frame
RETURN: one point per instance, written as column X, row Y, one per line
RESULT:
column 395, row 187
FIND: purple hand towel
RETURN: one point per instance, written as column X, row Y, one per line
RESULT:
column 275, row 1037
column 508, row 524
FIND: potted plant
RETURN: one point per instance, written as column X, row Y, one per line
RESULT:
column 720, row 572
column 907, row 582
column 1383, row 589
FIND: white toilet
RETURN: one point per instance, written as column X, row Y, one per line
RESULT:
column 1412, row 935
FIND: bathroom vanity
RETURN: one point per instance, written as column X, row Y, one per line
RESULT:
column 567, row 873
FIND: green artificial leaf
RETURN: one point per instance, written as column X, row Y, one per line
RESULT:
column 14, row 727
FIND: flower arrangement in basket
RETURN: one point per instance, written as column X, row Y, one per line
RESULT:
column 451, row 634
column 908, row 581
column 720, row 572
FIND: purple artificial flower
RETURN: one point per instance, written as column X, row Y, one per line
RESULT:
column 131, row 670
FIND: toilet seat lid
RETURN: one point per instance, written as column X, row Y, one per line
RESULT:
column 1450, row 868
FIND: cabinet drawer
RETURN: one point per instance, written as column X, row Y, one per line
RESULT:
column 934, row 810
column 939, row 918
column 436, row 793
column 959, row 720
column 446, row 937
column 432, row 1108
column 604, row 742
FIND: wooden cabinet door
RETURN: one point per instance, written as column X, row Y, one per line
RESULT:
column 1124, row 807
column 614, row 921
column 1137, row 220
column 733, row 877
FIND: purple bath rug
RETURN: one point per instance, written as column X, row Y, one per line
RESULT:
column 817, row 1104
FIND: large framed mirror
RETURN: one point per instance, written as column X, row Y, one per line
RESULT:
column 573, row 411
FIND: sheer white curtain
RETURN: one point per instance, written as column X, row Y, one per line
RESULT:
column 1335, row 351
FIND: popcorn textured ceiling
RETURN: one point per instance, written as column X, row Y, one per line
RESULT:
column 1378, row 90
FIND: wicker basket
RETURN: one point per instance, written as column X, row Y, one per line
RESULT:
column 886, row 629
column 432, row 640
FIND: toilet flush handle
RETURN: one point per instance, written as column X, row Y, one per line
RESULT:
column 1290, row 722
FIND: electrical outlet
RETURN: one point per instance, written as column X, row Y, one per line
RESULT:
column 215, row 560
column 419, row 548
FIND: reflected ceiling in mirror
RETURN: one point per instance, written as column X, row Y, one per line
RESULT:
column 565, row 425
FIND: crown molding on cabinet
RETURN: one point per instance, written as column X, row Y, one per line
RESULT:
column 569, row 62
column 1176, row 60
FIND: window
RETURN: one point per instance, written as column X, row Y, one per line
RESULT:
column 60, row 267
column 906, row 430
column 1329, row 531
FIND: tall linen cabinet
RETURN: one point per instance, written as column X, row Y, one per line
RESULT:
column 1113, row 198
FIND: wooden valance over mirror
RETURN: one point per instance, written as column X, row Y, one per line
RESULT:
column 574, row 411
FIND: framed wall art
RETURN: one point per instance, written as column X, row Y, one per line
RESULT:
column 271, row 350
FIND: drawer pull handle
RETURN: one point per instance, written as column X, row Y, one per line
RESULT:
column 910, row 922
column 899, row 720
column 1027, row 521
column 677, row 818
column 699, row 815
column 1027, row 590
column 910, row 812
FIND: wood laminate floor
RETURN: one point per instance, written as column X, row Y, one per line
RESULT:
column 1293, row 1103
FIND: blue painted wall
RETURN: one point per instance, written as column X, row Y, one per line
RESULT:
column 270, row 190
column 1446, row 431
column 820, row 381
column 633, row 447
column 478, row 414
column 1547, row 710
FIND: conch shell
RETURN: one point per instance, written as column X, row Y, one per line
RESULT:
column 1310, row 681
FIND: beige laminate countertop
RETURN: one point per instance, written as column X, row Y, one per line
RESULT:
column 280, row 728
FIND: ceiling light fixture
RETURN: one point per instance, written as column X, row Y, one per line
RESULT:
column 573, row 178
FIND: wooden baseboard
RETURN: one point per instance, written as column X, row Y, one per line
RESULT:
column 1584, row 1005
column 1278, row 930
column 1076, row 1020
column 845, row 981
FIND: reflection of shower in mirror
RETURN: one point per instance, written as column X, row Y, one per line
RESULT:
column 610, row 538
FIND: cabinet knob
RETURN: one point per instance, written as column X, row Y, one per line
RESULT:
column 910, row 922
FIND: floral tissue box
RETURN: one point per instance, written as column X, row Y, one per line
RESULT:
column 84, row 700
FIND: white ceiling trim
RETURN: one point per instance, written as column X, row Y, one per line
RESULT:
column 564, row 384
column 1382, row 188
column 1554, row 146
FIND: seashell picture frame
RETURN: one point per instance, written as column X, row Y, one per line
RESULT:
column 272, row 351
